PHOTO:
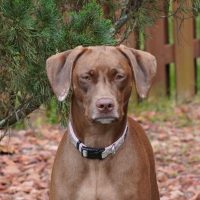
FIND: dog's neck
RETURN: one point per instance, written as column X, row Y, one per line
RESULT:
column 95, row 134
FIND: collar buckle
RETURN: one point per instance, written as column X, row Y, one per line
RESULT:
column 92, row 153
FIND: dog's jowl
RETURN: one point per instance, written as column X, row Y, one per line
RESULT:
column 104, row 155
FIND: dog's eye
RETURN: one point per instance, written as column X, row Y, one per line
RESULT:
column 119, row 77
column 86, row 77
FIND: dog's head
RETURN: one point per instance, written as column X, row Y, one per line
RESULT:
column 101, row 78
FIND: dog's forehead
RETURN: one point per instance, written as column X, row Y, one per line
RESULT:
column 101, row 57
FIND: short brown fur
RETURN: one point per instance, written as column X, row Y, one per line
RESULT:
column 96, row 73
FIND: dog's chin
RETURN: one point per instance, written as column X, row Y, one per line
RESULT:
column 105, row 120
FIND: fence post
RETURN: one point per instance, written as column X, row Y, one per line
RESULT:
column 184, row 55
column 157, row 44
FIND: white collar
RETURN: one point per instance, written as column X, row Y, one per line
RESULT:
column 96, row 153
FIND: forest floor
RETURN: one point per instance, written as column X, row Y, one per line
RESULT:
column 26, row 156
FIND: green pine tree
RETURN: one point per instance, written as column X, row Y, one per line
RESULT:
column 31, row 31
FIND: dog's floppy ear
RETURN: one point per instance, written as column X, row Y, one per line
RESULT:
column 144, row 68
column 59, row 71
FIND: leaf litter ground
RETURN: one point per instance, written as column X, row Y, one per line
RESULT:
column 26, row 156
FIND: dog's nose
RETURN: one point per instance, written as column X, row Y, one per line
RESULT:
column 105, row 105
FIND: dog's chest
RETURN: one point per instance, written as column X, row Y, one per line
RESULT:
column 91, row 190
column 101, row 184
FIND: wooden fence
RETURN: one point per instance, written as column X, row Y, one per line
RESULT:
column 183, row 52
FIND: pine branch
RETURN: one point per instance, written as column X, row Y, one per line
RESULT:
column 20, row 113
column 120, row 22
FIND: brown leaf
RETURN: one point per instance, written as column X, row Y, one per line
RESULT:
column 6, row 149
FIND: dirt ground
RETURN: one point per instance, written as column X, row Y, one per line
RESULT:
column 26, row 157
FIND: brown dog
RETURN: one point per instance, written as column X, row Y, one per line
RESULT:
column 104, row 155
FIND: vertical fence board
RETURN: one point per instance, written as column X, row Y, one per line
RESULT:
column 155, row 45
column 183, row 52
column 184, row 57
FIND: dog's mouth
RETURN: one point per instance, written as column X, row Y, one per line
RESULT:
column 104, row 117
column 105, row 120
